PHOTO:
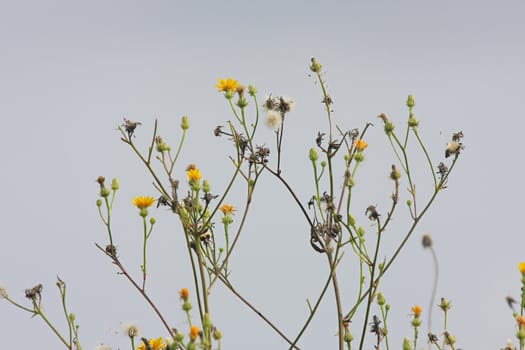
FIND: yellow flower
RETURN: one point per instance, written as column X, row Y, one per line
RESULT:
column 361, row 145
column 194, row 332
column 194, row 174
column 521, row 267
column 143, row 202
column 521, row 321
column 155, row 344
column 229, row 84
column 417, row 310
column 227, row 209
column 184, row 293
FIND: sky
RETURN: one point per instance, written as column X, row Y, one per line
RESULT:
column 71, row 71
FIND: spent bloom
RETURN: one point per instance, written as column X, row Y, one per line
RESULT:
column 131, row 330
column 521, row 267
column 228, row 84
column 361, row 145
column 143, row 202
column 521, row 321
column 194, row 332
column 274, row 119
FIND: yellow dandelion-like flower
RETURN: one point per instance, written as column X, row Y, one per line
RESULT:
column 361, row 145
column 184, row 293
column 521, row 267
column 417, row 310
column 521, row 321
column 194, row 332
column 143, row 202
column 194, row 174
column 227, row 209
column 229, row 84
column 155, row 344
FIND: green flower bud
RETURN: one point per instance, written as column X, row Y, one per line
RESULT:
column 395, row 174
column 99, row 202
column 206, row 323
column 186, row 306
column 192, row 345
column 152, row 221
column 217, row 334
column 346, row 157
column 323, row 163
column 360, row 231
column 114, row 184
column 185, row 122
column 104, row 192
column 381, row 266
column 411, row 102
column 407, row 345
column 313, row 155
column 359, row 157
column 179, row 337
column 348, row 337
column 315, row 66
column 409, row 202
column 252, row 90
column 381, row 299
column 206, row 186
column 413, row 122
column 351, row 220
column 387, row 307
column 389, row 127
column 72, row 317
column 242, row 102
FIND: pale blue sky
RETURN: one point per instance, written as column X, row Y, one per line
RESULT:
column 70, row 71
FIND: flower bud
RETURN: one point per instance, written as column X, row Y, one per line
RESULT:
column 152, row 221
column 206, row 186
column 314, row 156
column 407, row 345
column 252, row 90
column 185, row 122
column 411, row 102
column 315, row 66
column 389, row 127
column 186, row 306
column 323, row 163
column 359, row 157
column 104, row 192
column 395, row 174
column 381, row 299
column 99, row 202
column 413, row 122
column 114, row 184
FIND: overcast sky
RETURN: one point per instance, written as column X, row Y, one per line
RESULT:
column 71, row 71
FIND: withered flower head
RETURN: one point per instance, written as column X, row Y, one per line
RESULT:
column 130, row 126
column 427, row 241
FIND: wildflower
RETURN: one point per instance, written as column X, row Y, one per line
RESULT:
column 131, row 330
column 143, row 202
column 194, row 332
column 227, row 209
column 194, row 174
column 521, row 267
column 521, row 321
column 225, row 85
column 360, row 145
column 417, row 310
column 184, row 294
column 274, row 119
column 154, row 344
column 453, row 147
column 286, row 104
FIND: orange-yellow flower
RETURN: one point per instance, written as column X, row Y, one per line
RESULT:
column 361, row 145
column 417, row 310
column 155, row 344
column 229, row 84
column 184, row 293
column 227, row 209
column 521, row 267
column 194, row 332
column 521, row 321
column 194, row 174
column 143, row 202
